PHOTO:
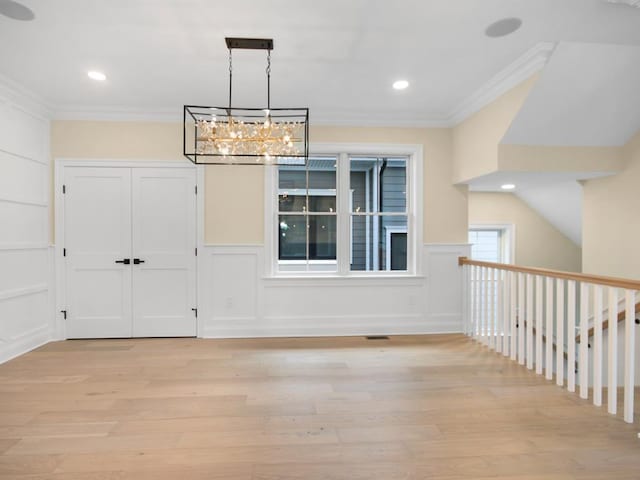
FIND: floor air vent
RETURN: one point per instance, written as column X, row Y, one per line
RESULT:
column 377, row 337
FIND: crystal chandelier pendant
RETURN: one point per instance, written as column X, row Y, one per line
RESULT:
column 246, row 136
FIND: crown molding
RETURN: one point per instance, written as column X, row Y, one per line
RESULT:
column 174, row 115
column 24, row 99
column 630, row 3
column 364, row 119
column 520, row 70
column 117, row 114
column 517, row 72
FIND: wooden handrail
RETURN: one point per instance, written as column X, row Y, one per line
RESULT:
column 578, row 277
column 621, row 316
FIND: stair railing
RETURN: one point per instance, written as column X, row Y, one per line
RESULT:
column 532, row 314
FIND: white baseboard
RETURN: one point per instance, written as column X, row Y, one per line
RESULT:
column 25, row 343
column 317, row 326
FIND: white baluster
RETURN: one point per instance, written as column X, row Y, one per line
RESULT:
column 521, row 315
column 539, row 293
column 612, row 363
column 472, row 299
column 485, row 304
column 571, row 335
column 549, row 329
column 529, row 321
column 499, row 310
column 597, row 345
column 513, row 312
column 629, row 353
column 466, row 298
column 506, row 323
column 491, row 298
column 560, row 318
column 472, row 286
column 583, row 365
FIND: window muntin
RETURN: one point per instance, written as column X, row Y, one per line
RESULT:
column 307, row 239
column 372, row 235
column 379, row 186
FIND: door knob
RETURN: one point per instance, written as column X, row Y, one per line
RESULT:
column 137, row 261
column 125, row 261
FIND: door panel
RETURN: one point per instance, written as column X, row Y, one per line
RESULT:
column 97, row 233
column 164, row 289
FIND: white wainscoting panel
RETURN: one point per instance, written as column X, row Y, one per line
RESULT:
column 237, row 300
column 444, row 284
column 26, row 310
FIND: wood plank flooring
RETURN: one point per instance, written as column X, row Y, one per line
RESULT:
column 421, row 407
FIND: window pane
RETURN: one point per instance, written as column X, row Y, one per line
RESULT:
column 292, row 237
column 322, row 237
column 322, row 184
column 321, row 191
column 378, row 242
column 486, row 245
column 288, row 202
column 378, row 184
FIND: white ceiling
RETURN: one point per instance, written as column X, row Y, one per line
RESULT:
column 338, row 57
column 556, row 196
column 560, row 204
column 588, row 95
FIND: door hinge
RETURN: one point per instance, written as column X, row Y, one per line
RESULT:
column 195, row 311
column 64, row 252
column 196, row 251
column 64, row 314
column 196, row 189
column 64, row 189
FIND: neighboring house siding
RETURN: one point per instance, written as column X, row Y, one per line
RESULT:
column 359, row 224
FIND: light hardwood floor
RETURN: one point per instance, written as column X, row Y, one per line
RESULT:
column 422, row 407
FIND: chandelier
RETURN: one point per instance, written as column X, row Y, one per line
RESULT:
column 246, row 136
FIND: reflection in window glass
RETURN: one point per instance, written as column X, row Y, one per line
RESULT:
column 379, row 243
column 307, row 240
column 378, row 189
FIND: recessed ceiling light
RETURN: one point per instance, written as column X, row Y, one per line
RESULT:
column 95, row 75
column 508, row 186
column 400, row 84
column 16, row 11
column 503, row 27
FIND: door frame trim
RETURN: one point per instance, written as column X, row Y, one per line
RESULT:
column 59, row 164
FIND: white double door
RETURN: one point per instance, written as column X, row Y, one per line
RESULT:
column 130, row 252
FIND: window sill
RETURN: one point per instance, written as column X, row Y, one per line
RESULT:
column 354, row 280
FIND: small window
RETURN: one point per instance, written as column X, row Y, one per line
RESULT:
column 491, row 243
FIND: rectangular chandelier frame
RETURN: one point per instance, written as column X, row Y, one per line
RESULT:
column 245, row 136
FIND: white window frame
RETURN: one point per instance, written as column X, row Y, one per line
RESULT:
column 343, row 151
column 507, row 238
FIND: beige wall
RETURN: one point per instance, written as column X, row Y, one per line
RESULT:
column 538, row 243
column 611, row 220
column 539, row 158
column 234, row 212
column 475, row 140
column 445, row 205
